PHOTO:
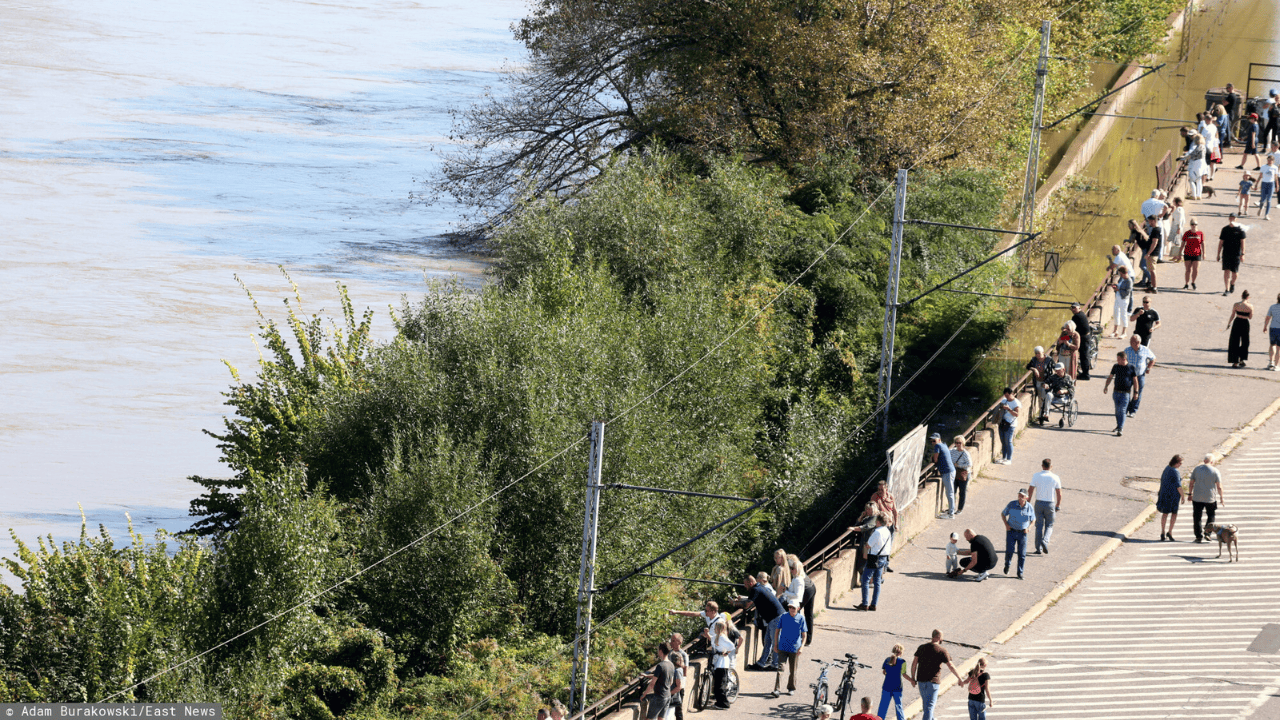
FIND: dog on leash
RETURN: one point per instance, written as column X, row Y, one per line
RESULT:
column 1226, row 535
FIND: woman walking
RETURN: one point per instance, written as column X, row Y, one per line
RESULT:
column 1124, row 293
column 1170, row 497
column 1249, row 129
column 1213, row 154
column 979, row 686
column 1192, row 253
column 1238, row 324
column 962, row 462
column 891, row 691
column 1266, row 186
column 1196, row 165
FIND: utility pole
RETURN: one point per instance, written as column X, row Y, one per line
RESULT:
column 1033, row 149
column 891, row 298
column 587, row 573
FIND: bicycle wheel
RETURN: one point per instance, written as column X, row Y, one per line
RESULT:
column 819, row 697
column 731, row 686
column 845, row 696
column 703, row 697
column 1073, row 412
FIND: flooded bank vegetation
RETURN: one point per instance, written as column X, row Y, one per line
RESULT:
column 400, row 536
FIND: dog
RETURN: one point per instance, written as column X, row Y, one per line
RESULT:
column 1206, row 191
column 1226, row 535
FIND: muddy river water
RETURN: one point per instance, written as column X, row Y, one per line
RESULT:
column 153, row 151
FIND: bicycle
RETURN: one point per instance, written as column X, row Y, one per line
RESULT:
column 844, row 692
column 702, row 698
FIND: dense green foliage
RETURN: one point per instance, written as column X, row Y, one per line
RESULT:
column 400, row 537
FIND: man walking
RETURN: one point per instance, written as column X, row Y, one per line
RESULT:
column 1126, row 388
column 1046, row 492
column 941, row 458
column 1017, row 517
column 1271, row 326
column 789, row 639
column 1142, row 360
column 876, row 553
column 926, row 671
column 1145, row 320
column 1231, row 253
column 1081, row 321
column 761, row 596
column 1206, row 493
column 659, row 691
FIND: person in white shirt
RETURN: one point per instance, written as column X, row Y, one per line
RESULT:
column 1153, row 205
column 876, row 552
column 724, row 650
column 1046, row 491
column 1177, row 224
column 1266, row 186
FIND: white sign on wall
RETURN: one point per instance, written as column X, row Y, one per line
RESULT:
column 906, row 460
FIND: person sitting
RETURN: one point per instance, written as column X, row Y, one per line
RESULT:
column 981, row 557
column 1061, row 386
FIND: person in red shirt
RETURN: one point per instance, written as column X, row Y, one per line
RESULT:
column 1192, row 251
column 866, row 711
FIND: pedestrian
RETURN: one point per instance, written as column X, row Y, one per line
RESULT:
column 810, row 592
column 1066, row 346
column 1242, row 199
column 1271, row 326
column 1017, row 517
column 979, row 687
column 1126, row 389
column 1249, row 133
column 980, row 557
column 1223, row 121
column 885, row 503
column 866, row 710
column 1141, row 240
column 761, row 597
column 1041, row 367
column 558, row 710
column 1008, row 408
column 1153, row 206
column 1118, row 259
column 796, row 588
column 1209, row 129
column 894, row 668
column 926, row 671
column 1238, row 324
column 876, row 555
column 780, row 578
column 659, row 690
column 788, row 638
column 1192, row 252
column 1197, row 165
column 1080, row 319
column 680, row 660
column 1046, row 496
column 941, row 458
column 723, row 649
column 1177, row 226
column 1231, row 243
column 1155, row 241
column 1145, row 320
column 1124, row 295
column 964, row 464
column 710, row 615
column 1266, row 187
column 1142, row 360
column 1206, row 494
column 1170, row 497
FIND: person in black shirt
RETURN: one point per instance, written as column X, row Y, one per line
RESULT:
column 1126, row 377
column 1154, row 249
column 982, row 556
column 1141, row 240
column 1081, row 321
column 664, row 674
column 1231, row 252
column 1145, row 320
column 769, row 609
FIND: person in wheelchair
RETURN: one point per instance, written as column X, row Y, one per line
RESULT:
column 1060, row 386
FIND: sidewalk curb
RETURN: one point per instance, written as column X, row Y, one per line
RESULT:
column 1223, row 449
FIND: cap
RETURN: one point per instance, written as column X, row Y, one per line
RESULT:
column 1077, row 304
column 825, row 709
column 793, row 602
column 936, row 436
column 1059, row 366
column 1022, row 492
column 1253, row 116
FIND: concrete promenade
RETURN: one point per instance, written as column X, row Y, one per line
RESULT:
column 1193, row 402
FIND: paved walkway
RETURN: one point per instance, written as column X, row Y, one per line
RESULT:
column 1162, row 630
column 1193, row 402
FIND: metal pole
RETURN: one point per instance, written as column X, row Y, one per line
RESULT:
column 587, row 573
column 891, row 298
column 1033, row 149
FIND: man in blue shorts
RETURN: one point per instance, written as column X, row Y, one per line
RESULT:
column 1272, row 326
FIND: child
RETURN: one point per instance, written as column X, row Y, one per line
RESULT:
column 891, row 691
column 1242, row 202
column 953, row 552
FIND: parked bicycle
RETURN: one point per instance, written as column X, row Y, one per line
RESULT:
column 843, row 701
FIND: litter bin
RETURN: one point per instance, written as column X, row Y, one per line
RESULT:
column 1214, row 96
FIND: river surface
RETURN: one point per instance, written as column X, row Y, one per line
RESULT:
column 153, row 151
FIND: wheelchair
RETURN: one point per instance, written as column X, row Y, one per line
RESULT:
column 1067, row 408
